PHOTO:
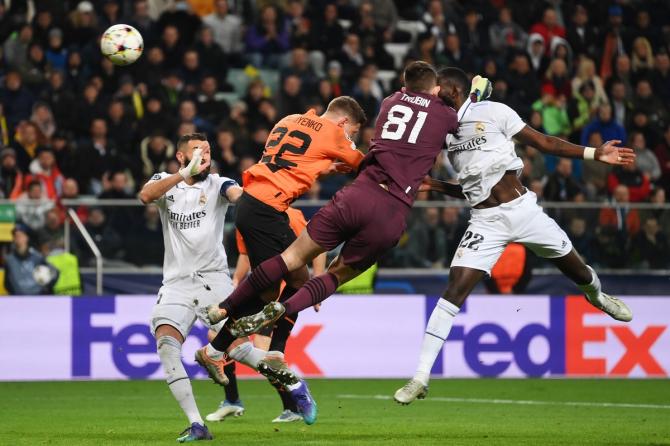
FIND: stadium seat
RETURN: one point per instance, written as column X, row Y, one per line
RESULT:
column 386, row 77
column 414, row 27
column 398, row 51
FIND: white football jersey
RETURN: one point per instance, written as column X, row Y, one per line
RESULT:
column 193, row 218
column 484, row 150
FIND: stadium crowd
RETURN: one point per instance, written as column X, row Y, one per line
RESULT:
column 72, row 124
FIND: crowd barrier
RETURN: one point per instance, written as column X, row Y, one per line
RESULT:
column 62, row 338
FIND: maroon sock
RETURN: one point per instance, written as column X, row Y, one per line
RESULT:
column 314, row 291
column 261, row 278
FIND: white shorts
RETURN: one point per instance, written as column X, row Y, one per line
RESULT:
column 182, row 301
column 520, row 220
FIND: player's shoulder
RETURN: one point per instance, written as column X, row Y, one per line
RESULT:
column 159, row 176
column 498, row 109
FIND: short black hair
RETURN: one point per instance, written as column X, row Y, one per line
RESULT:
column 457, row 77
column 184, row 139
column 420, row 77
column 349, row 107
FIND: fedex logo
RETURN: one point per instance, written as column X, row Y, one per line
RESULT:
column 133, row 348
column 575, row 340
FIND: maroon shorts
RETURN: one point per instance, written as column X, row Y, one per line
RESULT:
column 367, row 218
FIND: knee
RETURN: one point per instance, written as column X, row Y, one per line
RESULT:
column 455, row 294
column 169, row 352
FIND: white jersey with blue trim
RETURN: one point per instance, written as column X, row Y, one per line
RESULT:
column 193, row 217
column 483, row 150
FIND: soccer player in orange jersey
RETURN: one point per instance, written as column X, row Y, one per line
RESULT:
column 299, row 149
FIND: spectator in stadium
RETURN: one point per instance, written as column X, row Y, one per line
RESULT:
column 226, row 29
column 622, row 73
column 299, row 66
column 268, row 39
column 557, row 76
column 173, row 49
column 455, row 54
column 586, row 72
column 552, row 105
column 581, row 108
column 105, row 237
column 425, row 48
column 34, row 69
column 189, row 113
column 548, row 28
column 212, row 58
column 122, row 125
column 581, row 34
column 327, row 34
column 142, row 21
column 12, row 180
column 651, row 247
column 156, row 150
column 604, row 124
column 32, row 205
column 621, row 216
column 15, row 48
column 535, row 51
column 77, row 71
column 595, row 174
column 646, row 102
column 580, row 237
column 28, row 141
column 144, row 246
column 642, row 61
column 60, row 99
column 658, row 197
column 561, row 185
column 45, row 170
column 52, row 233
column 17, row 100
column 97, row 154
column 454, row 226
column 662, row 152
column 637, row 183
column 291, row 100
column 660, row 77
column 613, row 42
column 225, row 152
column 211, row 103
column 44, row 119
column 155, row 119
column 427, row 242
column 368, row 102
column 90, row 106
column 474, row 34
column 20, row 265
column 524, row 85
column 351, row 60
column 505, row 35
column 56, row 54
column 82, row 26
column 191, row 71
column 645, row 159
column 610, row 248
column 622, row 107
column 560, row 49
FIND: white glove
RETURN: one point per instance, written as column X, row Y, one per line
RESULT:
column 193, row 168
column 481, row 89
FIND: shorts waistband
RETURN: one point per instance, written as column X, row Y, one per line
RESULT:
column 529, row 195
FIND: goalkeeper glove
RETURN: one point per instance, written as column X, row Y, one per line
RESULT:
column 481, row 89
column 193, row 167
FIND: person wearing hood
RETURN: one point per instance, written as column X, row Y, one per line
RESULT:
column 535, row 50
column 156, row 151
column 560, row 49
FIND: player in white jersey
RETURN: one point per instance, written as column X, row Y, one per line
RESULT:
column 192, row 206
column 504, row 211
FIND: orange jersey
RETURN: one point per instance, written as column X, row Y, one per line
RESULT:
column 296, row 220
column 298, row 149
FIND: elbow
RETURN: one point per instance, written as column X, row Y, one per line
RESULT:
column 144, row 197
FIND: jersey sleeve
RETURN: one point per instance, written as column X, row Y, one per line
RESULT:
column 509, row 121
column 346, row 151
column 157, row 177
column 224, row 184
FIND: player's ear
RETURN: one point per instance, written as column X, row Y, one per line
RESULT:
column 180, row 156
column 435, row 90
column 342, row 121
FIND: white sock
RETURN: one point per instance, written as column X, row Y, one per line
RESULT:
column 213, row 353
column 592, row 290
column 247, row 354
column 169, row 350
column 437, row 330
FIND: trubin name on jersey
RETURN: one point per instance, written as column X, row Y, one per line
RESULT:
column 418, row 100
column 473, row 144
column 185, row 221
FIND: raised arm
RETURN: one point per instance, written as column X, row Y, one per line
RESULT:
column 608, row 153
column 155, row 189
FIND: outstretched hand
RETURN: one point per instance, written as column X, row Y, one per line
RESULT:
column 609, row 153
column 336, row 167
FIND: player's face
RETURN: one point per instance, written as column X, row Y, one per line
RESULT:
column 351, row 129
column 206, row 157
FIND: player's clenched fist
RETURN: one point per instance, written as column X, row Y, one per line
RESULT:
column 480, row 89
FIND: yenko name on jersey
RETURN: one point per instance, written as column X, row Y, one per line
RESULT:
column 473, row 144
column 185, row 221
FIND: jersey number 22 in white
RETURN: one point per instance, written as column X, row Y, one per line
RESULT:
column 399, row 116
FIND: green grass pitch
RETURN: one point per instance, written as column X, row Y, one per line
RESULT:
column 351, row 412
